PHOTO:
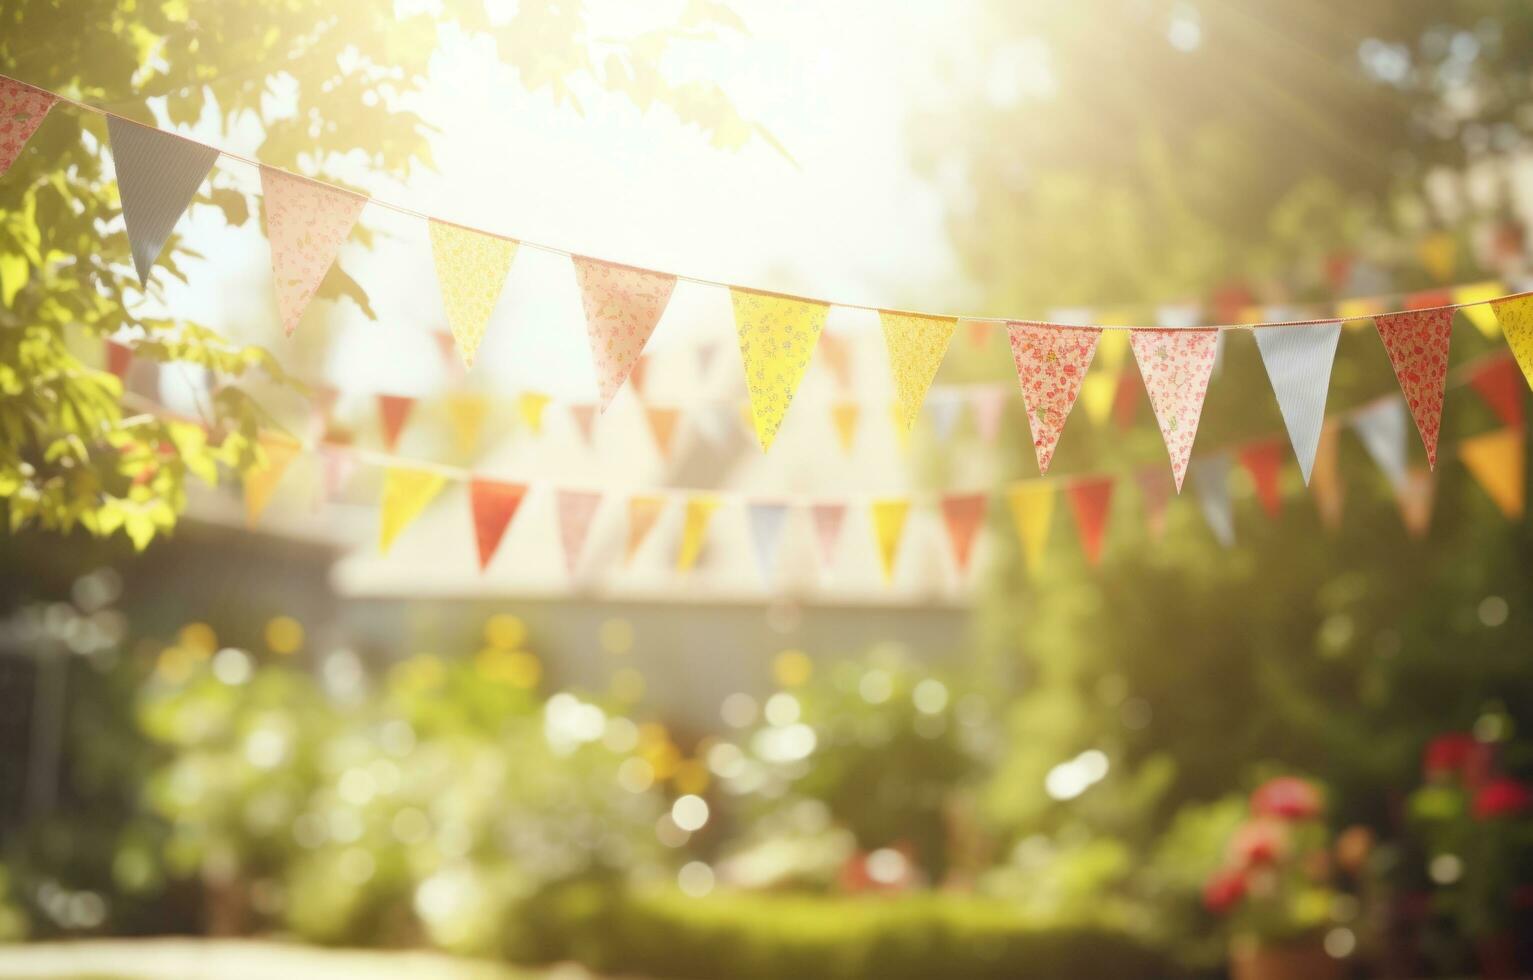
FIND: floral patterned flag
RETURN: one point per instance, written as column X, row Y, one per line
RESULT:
column 393, row 411
column 623, row 304
column 158, row 173
column 306, row 222
column 694, row 529
column 1516, row 319
column 576, row 510
column 1496, row 460
column 493, row 504
column 963, row 514
column 777, row 337
column 1176, row 366
column 1089, row 502
column 1051, row 363
column 643, row 512
column 406, row 492
column 917, row 345
column 1418, row 350
column 1032, row 509
column 471, row 268
column 888, row 530
column 22, row 109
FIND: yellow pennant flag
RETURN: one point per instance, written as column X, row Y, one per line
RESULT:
column 1438, row 253
column 1355, row 313
column 1516, row 322
column 888, row 528
column 902, row 431
column 471, row 267
column 1032, row 508
column 845, row 415
column 1482, row 314
column 694, row 529
column 1099, row 389
column 405, row 494
column 777, row 337
column 531, row 405
column 466, row 412
column 261, row 481
column 1112, row 345
column 917, row 345
column 1496, row 462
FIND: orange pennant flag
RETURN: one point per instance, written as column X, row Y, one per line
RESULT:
column 1415, row 498
column 261, row 481
column 643, row 512
column 1089, row 502
column 393, row 410
column 1417, row 343
column 837, row 359
column 1325, row 479
column 963, row 514
column 1264, row 461
column 1497, row 462
column 662, row 425
column 493, row 505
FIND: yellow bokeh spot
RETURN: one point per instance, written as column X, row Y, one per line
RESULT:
column 420, row 673
column 663, row 757
column 691, row 777
column 284, row 635
column 792, row 668
column 617, row 636
column 505, row 630
column 517, row 668
column 653, row 733
column 174, row 665
column 628, row 685
column 198, row 639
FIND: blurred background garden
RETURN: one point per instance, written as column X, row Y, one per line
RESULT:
column 869, row 705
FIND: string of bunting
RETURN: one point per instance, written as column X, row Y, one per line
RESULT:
column 307, row 220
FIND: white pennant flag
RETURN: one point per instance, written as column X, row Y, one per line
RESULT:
column 766, row 532
column 1210, row 480
column 1383, row 429
column 158, row 173
column 1298, row 362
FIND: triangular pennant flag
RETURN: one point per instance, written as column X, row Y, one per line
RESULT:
column 777, row 337
column 837, row 359
column 471, row 268
column 828, row 519
column 845, row 416
column 1496, row 460
column 902, row 432
column 1032, row 509
column 917, row 345
column 493, row 504
column 1381, row 427
column 1051, row 363
column 447, row 346
column 637, row 376
column 1298, row 361
column 22, row 109
column 1415, row 497
column 1500, row 384
column 406, row 492
column 1176, row 365
column 393, row 410
column 943, row 409
column 321, row 407
column 158, row 174
column 694, row 529
column 705, row 356
column 306, row 222
column 978, row 331
column 1155, row 494
column 466, row 412
column 1325, row 483
column 888, row 529
column 530, row 405
column 643, row 512
column 1418, row 350
column 338, row 464
column 989, row 403
column 962, row 515
column 576, row 508
column 766, row 520
column 1089, row 502
column 119, row 358
column 261, row 481
column 1210, row 479
column 623, row 304
column 1125, row 403
column 1264, row 461
column 1516, row 319
column 585, row 418
column 662, row 425
column 1480, row 312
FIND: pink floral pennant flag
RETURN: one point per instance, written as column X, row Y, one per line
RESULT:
column 1176, row 366
column 1051, row 361
column 623, row 304
column 1417, row 343
column 306, row 222
column 22, row 109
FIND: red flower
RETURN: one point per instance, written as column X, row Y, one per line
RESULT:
column 1501, row 798
column 1258, row 842
column 1287, row 798
column 1223, row 890
column 1447, row 755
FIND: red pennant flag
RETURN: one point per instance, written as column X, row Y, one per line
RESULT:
column 119, row 357
column 827, row 529
column 662, row 425
column 1264, row 460
column 1417, row 344
column 1089, row 501
column 1125, row 405
column 494, row 504
column 963, row 514
column 1500, row 384
column 393, row 410
column 1428, row 299
column 1155, row 491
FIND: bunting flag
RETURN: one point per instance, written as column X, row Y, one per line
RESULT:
column 1155, row 493
column 828, row 518
column 662, row 425
column 637, row 375
column 1496, row 460
column 694, row 529
column 406, row 492
column 766, row 521
column 158, row 174
column 1500, row 385
column 888, row 529
column 530, row 406
column 576, row 509
column 393, row 411
column 1176, row 365
column 777, row 337
column 1051, row 363
column 1210, row 479
column 833, row 351
column 306, row 222
column 338, row 466
column 623, row 304
column 989, row 404
column 493, row 504
column 261, row 481
column 584, row 417
column 1515, row 317
column 1032, row 509
column 22, row 109
column 466, row 412
column 1418, row 350
column 1381, row 427
column 944, row 411
column 1482, row 314
column 119, row 358
column 1415, row 498
column 902, row 432
column 471, row 269
column 1264, row 461
column 1089, row 502
column 917, row 345
column 978, row 331
column 845, row 415
column 643, row 512
column 1298, row 362
column 963, row 514
column 1326, row 485
column 1125, row 403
